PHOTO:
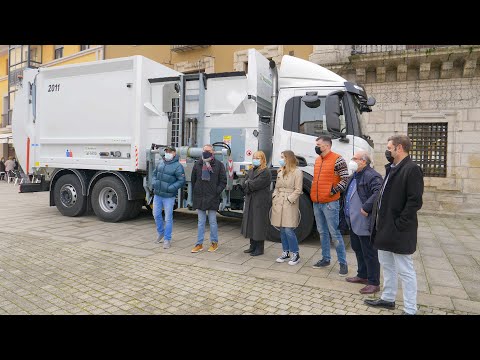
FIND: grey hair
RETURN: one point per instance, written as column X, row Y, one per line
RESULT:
column 365, row 156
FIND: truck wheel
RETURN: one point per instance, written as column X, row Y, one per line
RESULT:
column 305, row 227
column 135, row 208
column 306, row 223
column 110, row 200
column 68, row 196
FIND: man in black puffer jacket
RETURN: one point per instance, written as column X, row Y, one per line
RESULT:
column 168, row 177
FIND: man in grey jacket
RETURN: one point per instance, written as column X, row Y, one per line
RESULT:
column 362, row 190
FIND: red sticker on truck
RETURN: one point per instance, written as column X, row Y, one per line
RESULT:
column 230, row 168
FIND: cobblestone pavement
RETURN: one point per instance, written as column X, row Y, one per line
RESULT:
column 51, row 264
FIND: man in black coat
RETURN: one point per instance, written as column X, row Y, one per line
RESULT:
column 208, row 181
column 394, row 224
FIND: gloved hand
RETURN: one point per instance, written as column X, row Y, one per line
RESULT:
column 241, row 181
column 246, row 189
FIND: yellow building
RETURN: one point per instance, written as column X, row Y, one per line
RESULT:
column 15, row 58
column 206, row 58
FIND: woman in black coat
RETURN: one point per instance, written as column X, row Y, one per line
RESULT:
column 258, row 200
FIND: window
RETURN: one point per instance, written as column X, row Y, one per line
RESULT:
column 304, row 120
column 429, row 147
column 84, row 47
column 58, row 51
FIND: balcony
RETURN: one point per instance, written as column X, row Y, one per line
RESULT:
column 369, row 49
column 182, row 48
column 386, row 63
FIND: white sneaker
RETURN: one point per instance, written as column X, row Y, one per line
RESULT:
column 159, row 239
column 295, row 259
column 284, row 257
column 166, row 244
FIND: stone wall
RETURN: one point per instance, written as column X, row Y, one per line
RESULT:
column 423, row 87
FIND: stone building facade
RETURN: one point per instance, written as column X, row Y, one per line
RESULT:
column 431, row 92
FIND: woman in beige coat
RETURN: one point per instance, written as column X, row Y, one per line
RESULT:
column 285, row 203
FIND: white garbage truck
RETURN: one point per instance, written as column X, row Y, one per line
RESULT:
column 91, row 134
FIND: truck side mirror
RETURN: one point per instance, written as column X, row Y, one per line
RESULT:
column 371, row 101
column 333, row 110
column 332, row 113
column 311, row 99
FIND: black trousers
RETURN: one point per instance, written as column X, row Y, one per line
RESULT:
column 367, row 258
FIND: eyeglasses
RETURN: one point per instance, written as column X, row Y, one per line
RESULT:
column 354, row 158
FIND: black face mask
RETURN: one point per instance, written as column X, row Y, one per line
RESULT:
column 206, row 154
column 318, row 151
column 388, row 155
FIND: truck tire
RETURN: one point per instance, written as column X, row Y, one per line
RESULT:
column 135, row 208
column 110, row 200
column 68, row 196
column 306, row 222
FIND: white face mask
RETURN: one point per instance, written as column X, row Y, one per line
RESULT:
column 352, row 166
column 168, row 156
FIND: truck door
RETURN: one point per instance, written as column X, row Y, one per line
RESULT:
column 309, row 123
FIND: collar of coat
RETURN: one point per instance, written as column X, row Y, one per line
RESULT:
column 256, row 171
column 394, row 169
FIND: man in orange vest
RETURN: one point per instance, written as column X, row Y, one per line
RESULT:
column 330, row 177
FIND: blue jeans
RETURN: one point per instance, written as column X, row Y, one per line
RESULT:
column 212, row 220
column 326, row 217
column 167, row 204
column 289, row 239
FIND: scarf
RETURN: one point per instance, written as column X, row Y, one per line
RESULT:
column 207, row 168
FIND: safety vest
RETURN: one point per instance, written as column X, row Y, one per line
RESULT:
column 324, row 178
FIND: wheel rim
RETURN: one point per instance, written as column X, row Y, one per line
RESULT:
column 68, row 195
column 108, row 199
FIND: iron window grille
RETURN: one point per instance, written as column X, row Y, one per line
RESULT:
column 429, row 147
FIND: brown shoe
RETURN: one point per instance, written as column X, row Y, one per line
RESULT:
column 213, row 247
column 357, row 280
column 370, row 289
column 197, row 248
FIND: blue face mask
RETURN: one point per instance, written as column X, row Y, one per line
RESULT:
column 168, row 156
column 281, row 162
column 256, row 162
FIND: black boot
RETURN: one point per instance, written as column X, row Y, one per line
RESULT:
column 251, row 248
column 258, row 248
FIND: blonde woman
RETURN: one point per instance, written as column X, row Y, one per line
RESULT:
column 258, row 201
column 285, row 203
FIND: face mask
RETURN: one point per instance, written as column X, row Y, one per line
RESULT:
column 206, row 154
column 256, row 162
column 352, row 166
column 317, row 150
column 388, row 155
column 281, row 162
column 168, row 156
